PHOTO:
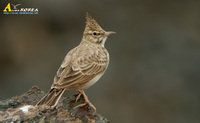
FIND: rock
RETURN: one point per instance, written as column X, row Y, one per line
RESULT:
column 22, row 109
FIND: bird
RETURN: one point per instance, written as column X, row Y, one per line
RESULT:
column 83, row 66
column 15, row 6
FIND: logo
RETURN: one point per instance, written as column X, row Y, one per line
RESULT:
column 15, row 6
column 15, row 10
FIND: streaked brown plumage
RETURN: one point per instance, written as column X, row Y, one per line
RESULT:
column 82, row 66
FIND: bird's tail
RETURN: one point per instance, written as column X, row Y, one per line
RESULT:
column 51, row 98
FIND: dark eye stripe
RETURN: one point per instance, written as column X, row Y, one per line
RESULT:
column 96, row 33
column 99, row 42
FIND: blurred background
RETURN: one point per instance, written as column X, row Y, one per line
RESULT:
column 154, row 71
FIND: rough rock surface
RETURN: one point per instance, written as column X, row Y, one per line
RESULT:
column 13, row 110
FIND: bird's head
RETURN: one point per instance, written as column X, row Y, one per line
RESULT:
column 94, row 33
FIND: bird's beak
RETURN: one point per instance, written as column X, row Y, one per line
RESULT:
column 109, row 33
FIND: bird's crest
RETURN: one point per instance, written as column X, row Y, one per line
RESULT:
column 91, row 24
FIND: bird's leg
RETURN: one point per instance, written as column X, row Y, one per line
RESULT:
column 79, row 95
column 86, row 101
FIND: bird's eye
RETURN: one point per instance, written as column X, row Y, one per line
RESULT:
column 94, row 33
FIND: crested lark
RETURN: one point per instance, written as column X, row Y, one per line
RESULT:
column 82, row 66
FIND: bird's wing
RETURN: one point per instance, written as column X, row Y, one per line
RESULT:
column 82, row 70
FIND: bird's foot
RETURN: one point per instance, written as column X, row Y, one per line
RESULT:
column 79, row 95
column 87, row 103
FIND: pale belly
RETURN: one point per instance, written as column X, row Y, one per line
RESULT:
column 91, row 82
